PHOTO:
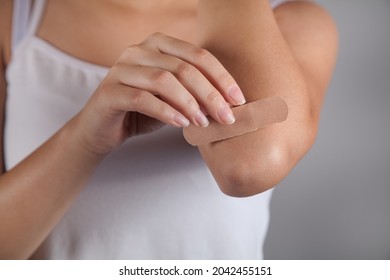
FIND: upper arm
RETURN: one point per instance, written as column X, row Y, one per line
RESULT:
column 312, row 38
column 5, row 38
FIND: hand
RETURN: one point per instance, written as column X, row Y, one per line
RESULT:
column 161, row 81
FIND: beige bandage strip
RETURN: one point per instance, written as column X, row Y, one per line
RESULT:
column 249, row 117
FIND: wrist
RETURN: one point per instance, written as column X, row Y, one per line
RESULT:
column 71, row 139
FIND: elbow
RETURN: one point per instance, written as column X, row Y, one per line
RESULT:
column 250, row 173
column 243, row 177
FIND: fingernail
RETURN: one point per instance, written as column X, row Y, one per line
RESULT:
column 201, row 119
column 236, row 94
column 181, row 120
column 226, row 115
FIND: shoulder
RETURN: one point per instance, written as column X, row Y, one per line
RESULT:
column 308, row 17
column 5, row 30
column 311, row 34
column 308, row 28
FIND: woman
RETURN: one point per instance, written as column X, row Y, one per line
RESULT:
column 82, row 80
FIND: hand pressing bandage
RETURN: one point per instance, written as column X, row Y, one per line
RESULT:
column 249, row 117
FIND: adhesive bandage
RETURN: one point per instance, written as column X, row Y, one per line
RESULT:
column 249, row 117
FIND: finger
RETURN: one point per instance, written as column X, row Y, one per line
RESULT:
column 129, row 99
column 164, row 84
column 195, row 82
column 204, row 61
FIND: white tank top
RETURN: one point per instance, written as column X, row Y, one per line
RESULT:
column 152, row 198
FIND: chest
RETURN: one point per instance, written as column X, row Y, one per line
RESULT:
column 99, row 35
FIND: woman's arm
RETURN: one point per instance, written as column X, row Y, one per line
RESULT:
column 289, row 52
column 37, row 192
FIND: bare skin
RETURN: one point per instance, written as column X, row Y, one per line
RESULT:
column 271, row 53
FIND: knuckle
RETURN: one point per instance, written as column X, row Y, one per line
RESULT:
column 131, row 51
column 136, row 99
column 213, row 97
column 184, row 69
column 201, row 55
column 226, row 78
column 132, row 48
column 154, row 39
column 155, row 36
column 162, row 77
column 191, row 104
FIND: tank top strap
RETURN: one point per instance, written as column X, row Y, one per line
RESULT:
column 36, row 15
column 25, row 19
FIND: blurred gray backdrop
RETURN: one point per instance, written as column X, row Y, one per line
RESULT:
column 336, row 203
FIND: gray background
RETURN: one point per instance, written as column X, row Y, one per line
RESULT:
column 336, row 202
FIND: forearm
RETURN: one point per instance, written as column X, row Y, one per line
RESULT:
column 245, row 37
column 36, row 193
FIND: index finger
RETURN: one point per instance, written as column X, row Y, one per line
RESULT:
column 203, row 60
